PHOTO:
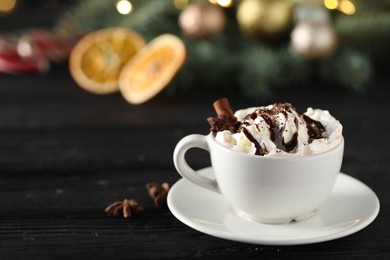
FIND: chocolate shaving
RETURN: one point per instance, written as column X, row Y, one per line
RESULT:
column 225, row 120
column 158, row 192
column 129, row 208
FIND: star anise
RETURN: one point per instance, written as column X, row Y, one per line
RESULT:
column 158, row 192
column 129, row 208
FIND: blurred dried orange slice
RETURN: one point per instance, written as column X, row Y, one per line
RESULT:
column 98, row 58
column 152, row 68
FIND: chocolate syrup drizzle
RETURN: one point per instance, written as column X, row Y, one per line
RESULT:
column 250, row 137
column 315, row 129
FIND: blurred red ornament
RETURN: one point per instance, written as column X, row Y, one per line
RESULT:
column 11, row 62
column 39, row 42
column 33, row 51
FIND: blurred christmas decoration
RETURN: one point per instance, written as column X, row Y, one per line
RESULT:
column 12, row 63
column 313, row 40
column 202, row 20
column 41, row 43
column 33, row 51
column 313, row 36
column 264, row 18
column 255, row 47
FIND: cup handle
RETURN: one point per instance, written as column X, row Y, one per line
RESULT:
column 188, row 142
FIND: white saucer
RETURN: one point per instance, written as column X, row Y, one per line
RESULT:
column 351, row 207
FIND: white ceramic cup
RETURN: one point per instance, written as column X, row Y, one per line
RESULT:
column 264, row 189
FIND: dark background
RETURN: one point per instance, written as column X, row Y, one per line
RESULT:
column 65, row 154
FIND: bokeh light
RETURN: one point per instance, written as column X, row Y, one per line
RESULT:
column 124, row 7
column 331, row 4
column 180, row 4
column 347, row 7
column 225, row 3
column 6, row 6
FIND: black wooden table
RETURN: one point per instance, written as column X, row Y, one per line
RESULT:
column 65, row 154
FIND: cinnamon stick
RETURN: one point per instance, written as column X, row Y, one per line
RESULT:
column 225, row 120
column 222, row 108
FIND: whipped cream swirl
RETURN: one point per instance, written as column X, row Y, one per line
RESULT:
column 279, row 130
